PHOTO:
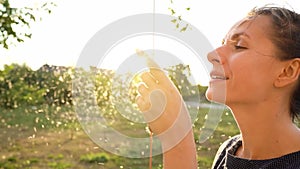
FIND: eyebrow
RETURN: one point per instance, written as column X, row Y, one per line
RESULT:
column 234, row 37
column 237, row 35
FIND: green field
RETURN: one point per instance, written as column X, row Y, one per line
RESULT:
column 51, row 137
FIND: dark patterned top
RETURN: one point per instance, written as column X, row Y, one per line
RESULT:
column 225, row 158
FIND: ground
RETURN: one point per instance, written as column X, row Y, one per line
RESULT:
column 26, row 143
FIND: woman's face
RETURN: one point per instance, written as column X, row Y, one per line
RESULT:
column 245, row 66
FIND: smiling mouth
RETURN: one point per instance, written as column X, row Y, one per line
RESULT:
column 216, row 77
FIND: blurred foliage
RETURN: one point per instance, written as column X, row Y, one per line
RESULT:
column 19, row 85
column 15, row 22
column 181, row 77
column 52, row 85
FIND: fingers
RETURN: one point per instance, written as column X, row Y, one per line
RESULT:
column 142, row 104
column 143, row 90
column 149, row 80
column 159, row 75
column 153, row 80
column 142, row 99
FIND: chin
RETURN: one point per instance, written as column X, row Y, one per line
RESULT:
column 216, row 96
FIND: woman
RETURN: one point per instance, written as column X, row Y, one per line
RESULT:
column 258, row 67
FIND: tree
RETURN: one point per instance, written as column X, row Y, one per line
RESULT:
column 18, row 86
column 15, row 22
column 179, row 75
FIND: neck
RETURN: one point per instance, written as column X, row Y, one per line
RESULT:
column 265, row 128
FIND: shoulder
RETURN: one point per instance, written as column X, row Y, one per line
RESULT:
column 224, row 148
column 228, row 144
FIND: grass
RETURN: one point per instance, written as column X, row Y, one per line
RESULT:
column 59, row 165
column 51, row 137
column 95, row 158
column 38, row 117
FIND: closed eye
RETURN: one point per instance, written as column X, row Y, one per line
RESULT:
column 239, row 47
column 228, row 41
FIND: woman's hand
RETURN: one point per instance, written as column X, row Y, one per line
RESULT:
column 163, row 107
column 168, row 118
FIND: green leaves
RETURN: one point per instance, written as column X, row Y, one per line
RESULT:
column 15, row 22
column 172, row 11
column 177, row 21
column 19, row 85
column 52, row 85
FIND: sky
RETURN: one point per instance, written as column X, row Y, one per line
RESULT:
column 59, row 38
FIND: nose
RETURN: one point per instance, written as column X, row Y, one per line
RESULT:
column 216, row 56
column 213, row 57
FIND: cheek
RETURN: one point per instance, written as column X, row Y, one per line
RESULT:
column 248, row 68
column 250, row 76
column 246, row 77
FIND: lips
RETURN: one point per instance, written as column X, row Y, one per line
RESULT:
column 218, row 76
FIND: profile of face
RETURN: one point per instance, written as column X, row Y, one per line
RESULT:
column 245, row 66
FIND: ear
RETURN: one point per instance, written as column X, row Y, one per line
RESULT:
column 289, row 74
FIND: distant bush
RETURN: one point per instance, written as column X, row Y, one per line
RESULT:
column 52, row 85
column 20, row 85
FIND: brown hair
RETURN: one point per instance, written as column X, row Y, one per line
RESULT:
column 286, row 37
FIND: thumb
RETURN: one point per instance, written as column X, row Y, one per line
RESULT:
column 158, row 103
